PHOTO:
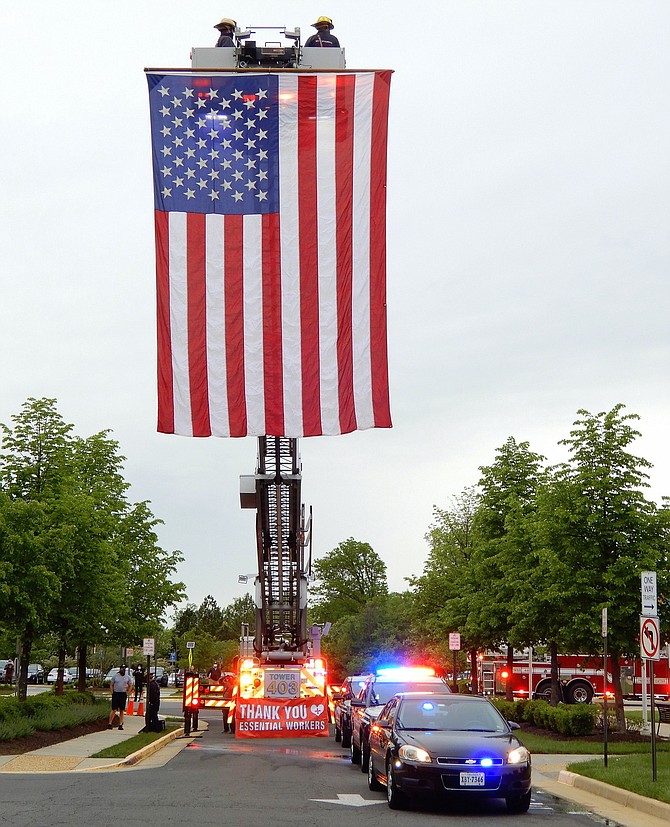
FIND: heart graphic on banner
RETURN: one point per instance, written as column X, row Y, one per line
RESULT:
column 316, row 709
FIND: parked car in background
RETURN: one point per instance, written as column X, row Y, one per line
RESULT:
column 161, row 675
column 36, row 673
column 90, row 673
column 52, row 677
column 179, row 678
column 424, row 745
column 108, row 677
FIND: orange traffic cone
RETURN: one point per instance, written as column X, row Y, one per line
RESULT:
column 130, row 708
column 140, row 708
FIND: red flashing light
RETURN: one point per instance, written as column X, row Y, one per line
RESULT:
column 504, row 674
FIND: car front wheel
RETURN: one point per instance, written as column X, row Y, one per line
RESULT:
column 518, row 803
column 394, row 797
column 373, row 783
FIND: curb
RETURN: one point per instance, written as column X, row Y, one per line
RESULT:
column 648, row 806
column 145, row 752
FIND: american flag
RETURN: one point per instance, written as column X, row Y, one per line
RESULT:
column 270, row 214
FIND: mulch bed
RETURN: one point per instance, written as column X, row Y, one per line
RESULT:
column 45, row 739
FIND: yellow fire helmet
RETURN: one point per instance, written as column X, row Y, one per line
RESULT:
column 323, row 21
column 226, row 23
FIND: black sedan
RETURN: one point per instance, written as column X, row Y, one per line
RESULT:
column 447, row 745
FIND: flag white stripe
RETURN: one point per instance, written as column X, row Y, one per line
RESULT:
column 253, row 324
column 179, row 325
column 216, row 325
column 327, row 254
column 361, row 252
column 290, row 256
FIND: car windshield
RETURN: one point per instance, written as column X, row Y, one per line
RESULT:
column 450, row 716
column 383, row 692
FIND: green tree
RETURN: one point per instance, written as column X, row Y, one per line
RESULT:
column 500, row 567
column 36, row 551
column 241, row 610
column 444, row 592
column 210, row 617
column 603, row 532
column 347, row 578
column 76, row 558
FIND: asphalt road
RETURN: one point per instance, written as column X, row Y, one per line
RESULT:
column 220, row 780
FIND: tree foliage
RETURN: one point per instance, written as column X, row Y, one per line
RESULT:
column 76, row 558
column 347, row 579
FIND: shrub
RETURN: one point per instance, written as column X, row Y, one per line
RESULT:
column 569, row 720
column 16, row 728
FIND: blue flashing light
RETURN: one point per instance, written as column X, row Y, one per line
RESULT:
column 406, row 672
column 486, row 762
column 428, row 706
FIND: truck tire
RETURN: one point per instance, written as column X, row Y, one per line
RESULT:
column 338, row 734
column 578, row 691
column 543, row 690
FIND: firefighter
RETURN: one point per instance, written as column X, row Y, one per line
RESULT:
column 323, row 36
column 228, row 695
column 226, row 28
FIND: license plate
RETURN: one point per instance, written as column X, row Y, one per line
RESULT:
column 472, row 779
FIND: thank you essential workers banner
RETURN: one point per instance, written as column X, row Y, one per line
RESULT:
column 280, row 717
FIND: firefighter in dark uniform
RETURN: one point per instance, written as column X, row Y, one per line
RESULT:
column 226, row 28
column 323, row 36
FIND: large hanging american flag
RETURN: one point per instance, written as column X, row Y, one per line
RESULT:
column 270, row 214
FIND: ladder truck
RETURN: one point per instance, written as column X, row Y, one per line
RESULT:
column 281, row 665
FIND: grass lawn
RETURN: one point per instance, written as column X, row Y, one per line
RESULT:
column 128, row 747
column 631, row 772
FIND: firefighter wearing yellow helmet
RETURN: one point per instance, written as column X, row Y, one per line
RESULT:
column 323, row 36
column 226, row 29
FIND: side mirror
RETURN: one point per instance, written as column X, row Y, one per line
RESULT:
column 337, row 696
column 514, row 725
column 358, row 702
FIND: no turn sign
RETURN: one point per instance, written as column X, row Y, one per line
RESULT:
column 650, row 638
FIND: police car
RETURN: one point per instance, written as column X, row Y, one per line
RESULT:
column 377, row 691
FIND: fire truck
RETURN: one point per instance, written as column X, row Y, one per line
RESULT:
column 580, row 676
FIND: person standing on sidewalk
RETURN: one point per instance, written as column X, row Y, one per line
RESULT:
column 138, row 676
column 121, row 684
column 151, row 721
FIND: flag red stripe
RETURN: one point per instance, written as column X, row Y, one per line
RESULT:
column 273, row 378
column 344, row 166
column 309, row 231
column 378, row 344
column 234, row 300
column 163, row 330
column 197, row 324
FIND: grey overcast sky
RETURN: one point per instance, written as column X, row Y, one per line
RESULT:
column 528, row 250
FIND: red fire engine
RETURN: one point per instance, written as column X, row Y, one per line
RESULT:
column 581, row 676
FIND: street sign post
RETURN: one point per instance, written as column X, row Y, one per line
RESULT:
column 604, row 633
column 650, row 650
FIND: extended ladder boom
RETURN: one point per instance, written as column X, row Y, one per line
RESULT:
column 281, row 583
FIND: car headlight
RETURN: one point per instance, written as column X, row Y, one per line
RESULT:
column 410, row 753
column 518, row 756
